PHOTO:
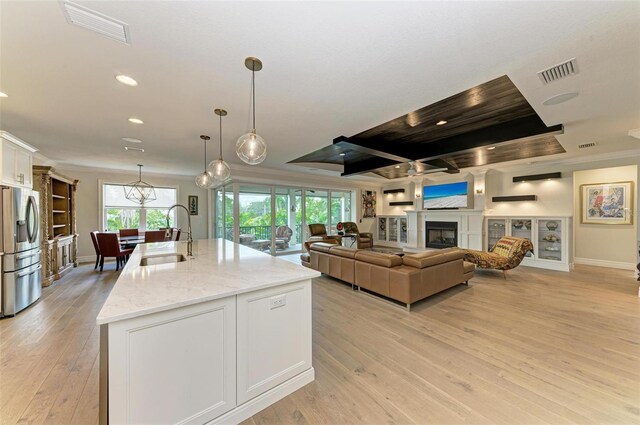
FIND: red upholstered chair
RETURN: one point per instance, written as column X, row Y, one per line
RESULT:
column 176, row 234
column 128, row 232
column 154, row 236
column 94, row 239
column 109, row 246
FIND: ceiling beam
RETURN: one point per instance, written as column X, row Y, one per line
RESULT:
column 517, row 129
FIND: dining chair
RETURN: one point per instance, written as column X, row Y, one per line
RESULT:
column 109, row 246
column 128, row 232
column 176, row 234
column 154, row 236
column 94, row 239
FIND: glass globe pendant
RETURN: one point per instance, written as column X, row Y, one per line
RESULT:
column 250, row 147
column 219, row 169
column 204, row 180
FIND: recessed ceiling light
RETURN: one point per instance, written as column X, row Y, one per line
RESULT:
column 136, row 120
column 126, row 80
column 129, row 148
column 3, row 94
column 490, row 148
column 342, row 154
column 441, row 122
column 554, row 100
column 131, row 140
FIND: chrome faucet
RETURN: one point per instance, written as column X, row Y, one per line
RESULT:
column 189, row 238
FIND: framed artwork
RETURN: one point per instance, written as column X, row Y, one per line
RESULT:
column 193, row 205
column 606, row 203
column 368, row 203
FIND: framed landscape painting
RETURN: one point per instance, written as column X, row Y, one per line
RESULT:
column 607, row 203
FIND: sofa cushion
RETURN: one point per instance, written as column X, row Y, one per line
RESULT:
column 431, row 258
column 468, row 267
column 343, row 251
column 321, row 246
column 379, row 258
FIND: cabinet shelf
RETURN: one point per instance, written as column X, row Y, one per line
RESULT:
column 59, row 211
column 57, row 226
column 58, row 196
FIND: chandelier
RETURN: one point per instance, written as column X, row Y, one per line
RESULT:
column 140, row 191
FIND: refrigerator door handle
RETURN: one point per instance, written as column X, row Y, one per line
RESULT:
column 33, row 232
column 22, row 257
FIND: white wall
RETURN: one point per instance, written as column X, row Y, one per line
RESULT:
column 602, row 244
column 87, row 201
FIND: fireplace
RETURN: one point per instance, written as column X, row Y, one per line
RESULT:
column 441, row 234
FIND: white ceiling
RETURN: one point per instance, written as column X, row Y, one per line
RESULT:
column 330, row 69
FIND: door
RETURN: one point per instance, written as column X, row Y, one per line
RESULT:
column 23, row 168
column 9, row 152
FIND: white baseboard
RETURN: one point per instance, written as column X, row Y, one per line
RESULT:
column 264, row 400
column 604, row 263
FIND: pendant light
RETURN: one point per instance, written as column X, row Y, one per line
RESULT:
column 219, row 169
column 140, row 191
column 250, row 147
column 204, row 180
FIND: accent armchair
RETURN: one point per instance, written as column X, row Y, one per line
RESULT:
column 364, row 239
column 505, row 255
column 318, row 233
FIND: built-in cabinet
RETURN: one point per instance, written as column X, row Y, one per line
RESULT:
column 57, row 223
column 550, row 237
column 218, row 361
column 391, row 231
column 17, row 160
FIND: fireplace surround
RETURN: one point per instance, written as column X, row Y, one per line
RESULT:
column 441, row 234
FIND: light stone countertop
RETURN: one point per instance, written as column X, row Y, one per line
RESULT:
column 218, row 269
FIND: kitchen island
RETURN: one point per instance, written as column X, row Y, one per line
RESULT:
column 213, row 338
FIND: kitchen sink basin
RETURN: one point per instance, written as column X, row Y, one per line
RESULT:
column 153, row 260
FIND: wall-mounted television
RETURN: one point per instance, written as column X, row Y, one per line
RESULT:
column 445, row 196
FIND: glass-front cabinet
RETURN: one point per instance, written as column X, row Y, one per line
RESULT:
column 549, row 235
column 496, row 228
column 391, row 230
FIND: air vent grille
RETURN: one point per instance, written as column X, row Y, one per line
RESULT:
column 94, row 21
column 588, row 145
column 562, row 70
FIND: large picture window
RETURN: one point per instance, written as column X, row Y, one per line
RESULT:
column 121, row 213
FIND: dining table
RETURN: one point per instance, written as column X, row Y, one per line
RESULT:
column 130, row 241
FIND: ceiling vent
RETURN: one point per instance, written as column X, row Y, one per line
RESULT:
column 557, row 72
column 588, row 145
column 94, row 21
column 131, row 148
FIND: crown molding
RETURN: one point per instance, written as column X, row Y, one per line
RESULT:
column 13, row 139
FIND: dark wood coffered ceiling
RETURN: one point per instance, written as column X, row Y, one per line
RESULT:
column 493, row 114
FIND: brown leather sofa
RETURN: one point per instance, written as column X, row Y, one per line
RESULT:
column 405, row 279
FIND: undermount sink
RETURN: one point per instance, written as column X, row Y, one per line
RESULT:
column 153, row 260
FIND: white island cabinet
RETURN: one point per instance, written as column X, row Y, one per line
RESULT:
column 212, row 339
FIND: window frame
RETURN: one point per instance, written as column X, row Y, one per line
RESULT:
column 142, row 210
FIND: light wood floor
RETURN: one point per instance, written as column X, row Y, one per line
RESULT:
column 541, row 347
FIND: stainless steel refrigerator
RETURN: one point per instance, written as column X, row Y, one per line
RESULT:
column 21, row 283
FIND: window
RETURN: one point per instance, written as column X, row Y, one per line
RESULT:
column 120, row 213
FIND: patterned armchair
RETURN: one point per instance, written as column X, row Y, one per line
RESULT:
column 283, row 237
column 318, row 233
column 365, row 240
column 505, row 255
